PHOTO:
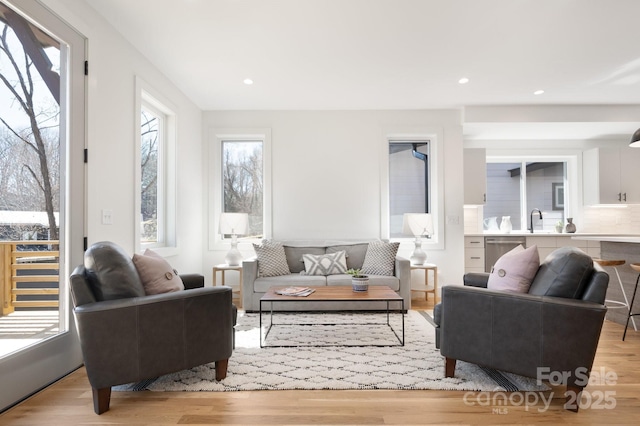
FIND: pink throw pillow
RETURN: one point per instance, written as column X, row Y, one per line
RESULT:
column 515, row 270
column 156, row 274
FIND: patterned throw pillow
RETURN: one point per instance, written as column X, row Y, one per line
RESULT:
column 325, row 264
column 272, row 261
column 380, row 258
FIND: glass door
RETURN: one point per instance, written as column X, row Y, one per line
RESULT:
column 42, row 128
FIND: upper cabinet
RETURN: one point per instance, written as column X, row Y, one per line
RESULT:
column 475, row 176
column 611, row 176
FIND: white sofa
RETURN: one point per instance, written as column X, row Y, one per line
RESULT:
column 254, row 286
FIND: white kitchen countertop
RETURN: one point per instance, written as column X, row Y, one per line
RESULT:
column 610, row 238
column 537, row 234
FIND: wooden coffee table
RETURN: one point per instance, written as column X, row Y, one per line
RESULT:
column 335, row 294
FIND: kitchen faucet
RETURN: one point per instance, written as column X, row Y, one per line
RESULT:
column 531, row 218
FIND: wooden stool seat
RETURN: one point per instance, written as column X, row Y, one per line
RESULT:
column 603, row 262
column 635, row 266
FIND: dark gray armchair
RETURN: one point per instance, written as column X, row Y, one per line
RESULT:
column 127, row 337
column 554, row 328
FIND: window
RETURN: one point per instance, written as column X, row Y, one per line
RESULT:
column 151, row 183
column 515, row 188
column 408, row 181
column 413, row 169
column 243, row 182
column 156, row 200
column 239, row 181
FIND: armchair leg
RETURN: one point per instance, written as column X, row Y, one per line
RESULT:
column 101, row 399
column 449, row 367
column 221, row 369
column 572, row 402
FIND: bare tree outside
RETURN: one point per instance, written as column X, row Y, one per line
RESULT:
column 29, row 119
column 149, row 156
column 243, row 184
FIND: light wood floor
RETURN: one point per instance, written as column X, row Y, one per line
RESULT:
column 68, row 402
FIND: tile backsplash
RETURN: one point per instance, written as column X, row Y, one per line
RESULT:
column 611, row 220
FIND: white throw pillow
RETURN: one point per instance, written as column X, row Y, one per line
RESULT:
column 325, row 264
column 515, row 270
column 156, row 274
column 272, row 261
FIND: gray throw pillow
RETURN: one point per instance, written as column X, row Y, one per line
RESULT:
column 380, row 258
column 272, row 261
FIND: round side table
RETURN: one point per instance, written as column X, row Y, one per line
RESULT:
column 426, row 268
column 223, row 268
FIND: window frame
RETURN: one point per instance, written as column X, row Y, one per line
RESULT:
column 572, row 183
column 215, row 199
column 436, row 180
column 148, row 98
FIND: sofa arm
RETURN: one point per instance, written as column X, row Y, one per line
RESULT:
column 519, row 332
column 249, row 275
column 191, row 281
column 131, row 339
column 476, row 279
column 403, row 273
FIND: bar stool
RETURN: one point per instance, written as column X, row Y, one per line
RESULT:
column 617, row 303
column 635, row 267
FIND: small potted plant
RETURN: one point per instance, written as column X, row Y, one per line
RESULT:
column 359, row 282
column 559, row 227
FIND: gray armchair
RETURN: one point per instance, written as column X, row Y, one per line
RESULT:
column 554, row 328
column 126, row 336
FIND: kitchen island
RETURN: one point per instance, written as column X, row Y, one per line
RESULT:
column 618, row 247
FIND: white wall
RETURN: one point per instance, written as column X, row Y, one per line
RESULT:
column 111, row 138
column 326, row 174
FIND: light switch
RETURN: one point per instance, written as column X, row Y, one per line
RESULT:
column 453, row 220
column 107, row 217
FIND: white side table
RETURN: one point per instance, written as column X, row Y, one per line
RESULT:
column 223, row 268
column 426, row 268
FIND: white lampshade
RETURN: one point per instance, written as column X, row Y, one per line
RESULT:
column 234, row 223
column 417, row 224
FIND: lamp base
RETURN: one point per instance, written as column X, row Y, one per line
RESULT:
column 418, row 257
column 234, row 257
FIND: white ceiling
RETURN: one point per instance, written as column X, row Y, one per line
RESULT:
column 388, row 54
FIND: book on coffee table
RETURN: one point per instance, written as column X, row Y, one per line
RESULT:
column 295, row 291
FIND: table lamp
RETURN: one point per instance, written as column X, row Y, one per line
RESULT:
column 233, row 224
column 418, row 225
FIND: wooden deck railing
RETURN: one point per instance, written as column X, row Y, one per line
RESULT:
column 29, row 269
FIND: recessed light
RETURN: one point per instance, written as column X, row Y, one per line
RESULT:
column 463, row 80
column 248, row 81
column 538, row 92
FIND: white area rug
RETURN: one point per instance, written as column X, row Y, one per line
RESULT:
column 417, row 365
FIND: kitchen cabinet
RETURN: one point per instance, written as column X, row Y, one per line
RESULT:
column 611, row 175
column 474, row 247
column 474, row 254
column 475, row 176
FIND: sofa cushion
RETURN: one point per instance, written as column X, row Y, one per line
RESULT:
column 261, row 285
column 111, row 272
column 325, row 264
column 515, row 270
column 294, row 256
column 380, row 258
column 272, row 261
column 355, row 253
column 156, row 274
column 564, row 273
